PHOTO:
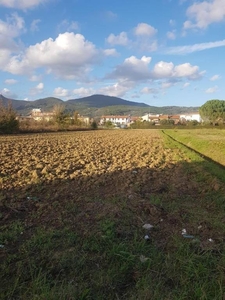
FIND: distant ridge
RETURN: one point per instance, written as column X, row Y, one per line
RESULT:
column 103, row 101
column 94, row 106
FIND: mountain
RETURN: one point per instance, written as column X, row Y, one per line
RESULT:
column 94, row 106
column 104, row 101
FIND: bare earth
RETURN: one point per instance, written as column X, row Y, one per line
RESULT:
column 41, row 174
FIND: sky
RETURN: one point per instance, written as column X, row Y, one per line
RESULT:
column 158, row 52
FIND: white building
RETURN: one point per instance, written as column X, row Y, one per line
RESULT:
column 38, row 115
column 150, row 117
column 191, row 117
column 117, row 120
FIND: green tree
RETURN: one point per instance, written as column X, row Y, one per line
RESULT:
column 60, row 116
column 76, row 119
column 94, row 125
column 192, row 123
column 8, row 121
column 166, row 122
column 138, row 124
column 213, row 111
column 109, row 124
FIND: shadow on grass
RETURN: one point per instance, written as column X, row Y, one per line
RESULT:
column 84, row 238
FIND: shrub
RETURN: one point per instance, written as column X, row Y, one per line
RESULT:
column 61, row 118
column 8, row 121
column 142, row 124
column 166, row 122
column 94, row 125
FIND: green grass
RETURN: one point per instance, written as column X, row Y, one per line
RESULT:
column 210, row 142
column 63, row 265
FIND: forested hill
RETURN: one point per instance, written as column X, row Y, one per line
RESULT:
column 95, row 105
column 103, row 101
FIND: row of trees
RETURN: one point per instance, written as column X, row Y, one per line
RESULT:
column 213, row 111
column 61, row 120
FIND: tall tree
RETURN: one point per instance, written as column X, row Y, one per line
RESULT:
column 213, row 111
column 60, row 116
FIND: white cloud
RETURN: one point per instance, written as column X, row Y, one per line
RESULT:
column 215, row 77
column 144, row 29
column 61, row 92
column 120, row 39
column 68, row 56
column 21, row 4
column 7, row 93
column 137, row 70
column 172, row 22
column 4, row 57
column 147, row 90
column 186, row 84
column 193, row 48
column 132, row 69
column 167, row 84
column 34, row 25
column 66, row 25
column 205, row 13
column 83, row 92
column 171, row 35
column 212, row 90
column 40, row 86
column 110, row 15
column 163, row 69
column 145, row 44
column 144, row 38
column 10, row 81
column 110, row 52
column 13, row 26
column 118, row 89
column 38, row 89
column 188, row 71
column 35, row 77
column 10, row 29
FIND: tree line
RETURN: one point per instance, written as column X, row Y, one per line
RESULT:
column 61, row 120
column 212, row 112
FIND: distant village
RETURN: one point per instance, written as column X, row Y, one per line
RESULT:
column 120, row 121
column 38, row 115
column 154, row 118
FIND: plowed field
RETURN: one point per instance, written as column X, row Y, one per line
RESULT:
column 72, row 210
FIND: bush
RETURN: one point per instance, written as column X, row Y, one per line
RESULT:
column 8, row 121
column 94, row 125
column 166, row 122
column 142, row 124
column 61, row 118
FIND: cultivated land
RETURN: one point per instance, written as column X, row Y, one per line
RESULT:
column 73, row 206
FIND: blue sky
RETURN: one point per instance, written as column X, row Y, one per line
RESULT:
column 164, row 52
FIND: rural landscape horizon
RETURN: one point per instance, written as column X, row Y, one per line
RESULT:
column 112, row 150
column 96, row 49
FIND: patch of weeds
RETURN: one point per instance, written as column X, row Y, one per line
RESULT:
column 199, row 275
column 12, row 233
column 56, row 204
column 108, row 229
column 71, row 207
column 156, row 200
